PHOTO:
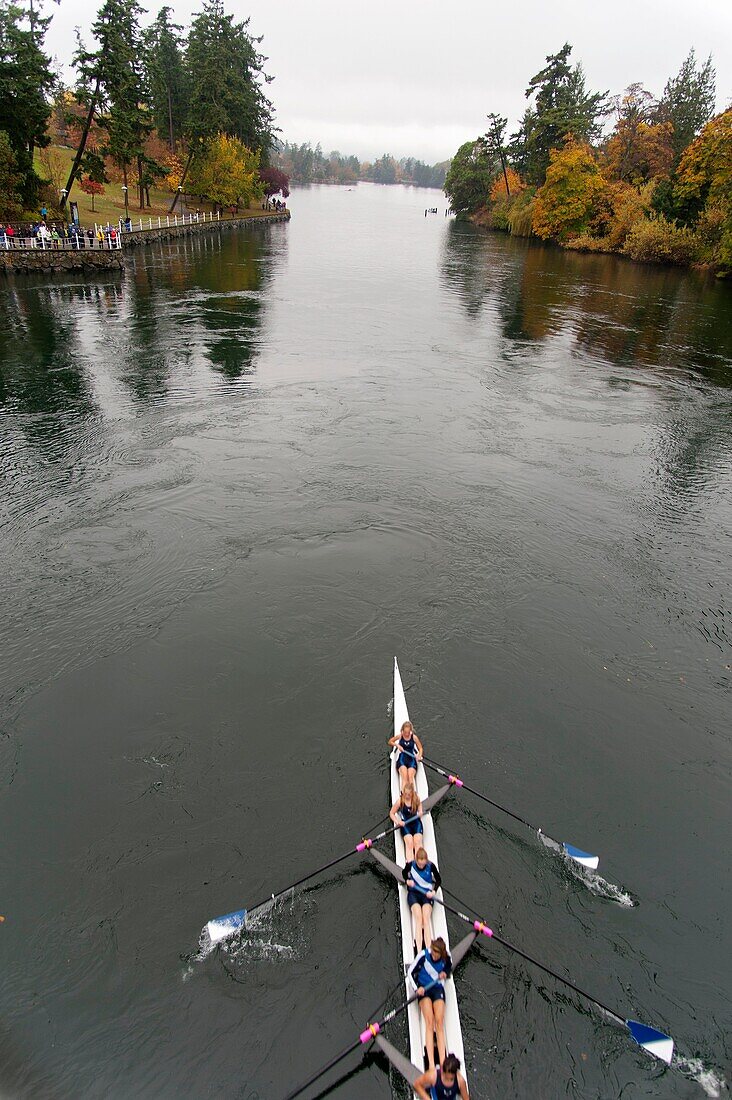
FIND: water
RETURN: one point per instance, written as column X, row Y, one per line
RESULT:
column 236, row 481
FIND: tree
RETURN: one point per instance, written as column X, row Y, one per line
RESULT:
column 495, row 142
column 385, row 169
column 506, row 185
column 562, row 105
column 26, row 82
column 110, row 85
column 227, row 173
column 225, row 72
column 688, row 101
column 566, row 201
column 274, row 182
column 91, row 187
column 640, row 147
column 11, row 181
column 704, row 180
column 470, row 176
column 165, row 76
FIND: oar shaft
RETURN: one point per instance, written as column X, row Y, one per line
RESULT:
column 559, row 978
column 333, row 1062
column 333, row 863
column 459, row 783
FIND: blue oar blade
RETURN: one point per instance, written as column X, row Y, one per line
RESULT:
column 655, row 1042
column 220, row 928
column 584, row 858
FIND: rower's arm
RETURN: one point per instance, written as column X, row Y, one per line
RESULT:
column 438, row 877
column 426, row 1081
column 418, row 743
column 393, row 810
column 463, row 1086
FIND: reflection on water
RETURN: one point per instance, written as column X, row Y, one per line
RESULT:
column 178, row 309
column 611, row 310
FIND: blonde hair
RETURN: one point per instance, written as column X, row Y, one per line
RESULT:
column 422, row 852
column 404, row 726
column 415, row 801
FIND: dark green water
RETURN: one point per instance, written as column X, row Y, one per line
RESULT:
column 238, row 480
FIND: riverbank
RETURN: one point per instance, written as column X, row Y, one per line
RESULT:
column 53, row 261
column 652, row 241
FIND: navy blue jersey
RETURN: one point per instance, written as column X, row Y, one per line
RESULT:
column 424, row 971
column 441, row 1091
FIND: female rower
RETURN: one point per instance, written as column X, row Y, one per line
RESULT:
column 422, row 879
column 443, row 1083
column 410, row 752
column 428, row 974
column 407, row 812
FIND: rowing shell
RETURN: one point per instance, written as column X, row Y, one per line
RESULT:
column 453, row 1031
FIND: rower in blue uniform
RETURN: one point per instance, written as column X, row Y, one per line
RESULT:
column 407, row 812
column 443, row 1083
column 423, row 879
column 428, row 974
column 410, row 752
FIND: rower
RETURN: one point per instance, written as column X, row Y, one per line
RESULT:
column 442, row 1083
column 407, row 812
column 428, row 974
column 423, row 879
column 410, row 753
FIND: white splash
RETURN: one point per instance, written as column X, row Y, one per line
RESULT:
column 595, row 883
column 712, row 1083
column 390, row 708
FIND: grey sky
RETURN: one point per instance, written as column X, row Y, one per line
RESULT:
column 418, row 79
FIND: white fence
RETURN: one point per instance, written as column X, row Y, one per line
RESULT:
column 77, row 243
column 105, row 237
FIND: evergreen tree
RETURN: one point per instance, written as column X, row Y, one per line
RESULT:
column 688, row 101
column 471, row 174
column 495, row 142
column 225, row 72
column 165, row 77
column 26, row 82
column 562, row 106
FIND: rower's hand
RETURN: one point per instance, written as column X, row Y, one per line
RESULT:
column 443, row 977
column 420, row 992
column 399, row 819
column 410, row 884
column 429, row 894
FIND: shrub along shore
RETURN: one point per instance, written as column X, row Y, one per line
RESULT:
column 657, row 189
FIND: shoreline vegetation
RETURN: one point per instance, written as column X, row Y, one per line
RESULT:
column 656, row 189
column 155, row 113
column 303, row 165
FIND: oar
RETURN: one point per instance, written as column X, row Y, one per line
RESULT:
column 652, row 1040
column 585, row 858
column 220, row 928
column 372, row 1030
column 365, row 1037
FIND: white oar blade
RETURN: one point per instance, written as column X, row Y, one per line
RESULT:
column 584, row 858
column 655, row 1042
column 220, row 928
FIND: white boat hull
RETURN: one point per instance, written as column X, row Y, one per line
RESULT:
column 453, row 1031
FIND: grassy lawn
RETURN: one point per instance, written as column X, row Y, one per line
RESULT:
column 110, row 206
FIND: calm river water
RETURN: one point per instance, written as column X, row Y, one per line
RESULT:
column 235, row 482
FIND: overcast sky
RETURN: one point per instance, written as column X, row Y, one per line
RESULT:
column 418, row 78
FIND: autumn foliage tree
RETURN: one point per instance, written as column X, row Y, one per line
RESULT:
column 226, row 173
column 91, row 187
column 566, row 201
column 704, row 180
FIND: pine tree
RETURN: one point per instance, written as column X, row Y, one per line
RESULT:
column 562, row 106
column 225, row 72
column 165, row 76
column 26, row 83
column 688, row 101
